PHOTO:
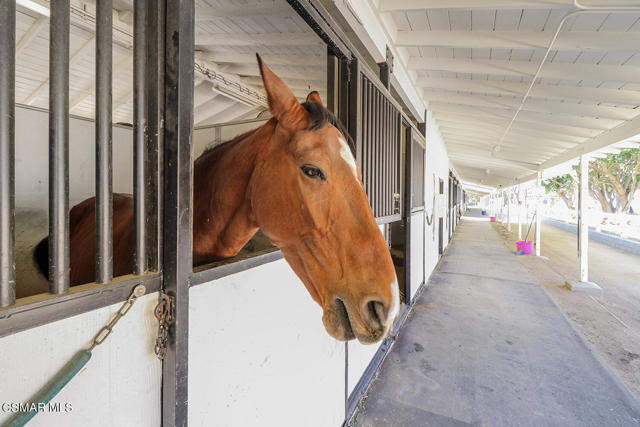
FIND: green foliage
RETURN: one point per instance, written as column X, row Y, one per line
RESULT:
column 617, row 176
column 564, row 186
column 564, row 182
column 614, row 180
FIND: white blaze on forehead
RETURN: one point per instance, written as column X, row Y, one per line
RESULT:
column 345, row 153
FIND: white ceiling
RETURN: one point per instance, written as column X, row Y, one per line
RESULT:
column 228, row 35
column 474, row 60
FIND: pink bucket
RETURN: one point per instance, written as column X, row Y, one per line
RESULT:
column 527, row 246
column 493, row 219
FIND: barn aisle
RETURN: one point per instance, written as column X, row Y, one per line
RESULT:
column 486, row 346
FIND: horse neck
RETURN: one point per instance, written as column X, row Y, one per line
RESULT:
column 222, row 213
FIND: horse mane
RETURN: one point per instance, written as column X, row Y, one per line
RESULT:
column 319, row 118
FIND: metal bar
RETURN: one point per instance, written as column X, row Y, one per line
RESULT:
column 386, row 153
column 381, row 160
column 388, row 178
column 104, row 189
column 332, row 82
column 393, row 159
column 379, row 152
column 7, row 151
column 324, row 26
column 154, row 90
column 364, row 140
column 178, row 182
column 368, row 148
column 356, row 104
column 207, row 273
column 59, row 147
column 375, row 172
column 343, row 92
column 398, row 122
column 38, row 310
column 384, row 130
column 139, row 133
column 408, row 190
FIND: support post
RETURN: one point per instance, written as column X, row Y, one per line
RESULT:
column 583, row 234
column 519, row 200
column 509, row 210
column 538, row 212
column 583, row 226
column 178, row 183
column 7, row 151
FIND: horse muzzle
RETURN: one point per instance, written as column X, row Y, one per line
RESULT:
column 369, row 320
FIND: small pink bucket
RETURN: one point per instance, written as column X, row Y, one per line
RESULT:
column 493, row 219
column 527, row 246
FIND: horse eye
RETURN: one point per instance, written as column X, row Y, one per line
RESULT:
column 313, row 172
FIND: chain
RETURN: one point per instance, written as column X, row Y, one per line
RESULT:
column 164, row 314
column 102, row 335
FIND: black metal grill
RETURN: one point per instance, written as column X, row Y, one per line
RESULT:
column 148, row 109
column 380, row 130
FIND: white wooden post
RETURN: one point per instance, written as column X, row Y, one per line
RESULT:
column 583, row 233
column 538, row 212
column 509, row 210
column 583, row 226
column 519, row 211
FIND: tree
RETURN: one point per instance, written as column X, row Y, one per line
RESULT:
column 620, row 174
column 564, row 186
column 613, row 181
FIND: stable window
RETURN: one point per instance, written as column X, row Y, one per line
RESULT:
column 381, row 151
column 417, row 175
column 73, row 122
column 230, row 100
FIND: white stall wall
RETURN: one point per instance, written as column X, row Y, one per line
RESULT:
column 203, row 138
column 32, row 159
column 259, row 354
column 437, row 165
column 119, row 386
column 416, row 274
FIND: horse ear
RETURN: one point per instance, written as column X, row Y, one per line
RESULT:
column 283, row 104
column 314, row 97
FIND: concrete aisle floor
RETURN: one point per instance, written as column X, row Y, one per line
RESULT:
column 611, row 321
column 486, row 346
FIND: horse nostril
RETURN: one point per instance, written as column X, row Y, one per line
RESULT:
column 376, row 314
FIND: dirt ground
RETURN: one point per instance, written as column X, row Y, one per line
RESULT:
column 611, row 322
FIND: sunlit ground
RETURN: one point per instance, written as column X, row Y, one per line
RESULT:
column 476, row 218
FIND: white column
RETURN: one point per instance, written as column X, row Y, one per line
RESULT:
column 538, row 212
column 583, row 226
column 519, row 206
column 509, row 210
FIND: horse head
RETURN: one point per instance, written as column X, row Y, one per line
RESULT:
column 307, row 196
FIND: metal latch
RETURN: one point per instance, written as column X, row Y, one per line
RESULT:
column 164, row 312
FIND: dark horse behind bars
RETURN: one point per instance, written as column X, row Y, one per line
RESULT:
column 296, row 179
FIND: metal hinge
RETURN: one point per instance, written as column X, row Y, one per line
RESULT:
column 164, row 312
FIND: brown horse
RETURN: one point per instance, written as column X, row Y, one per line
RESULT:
column 296, row 179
